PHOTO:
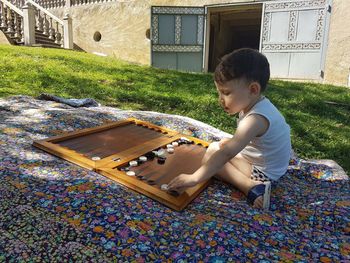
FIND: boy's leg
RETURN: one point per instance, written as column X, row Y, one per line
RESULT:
column 236, row 172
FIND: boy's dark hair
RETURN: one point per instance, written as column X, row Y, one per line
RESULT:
column 244, row 63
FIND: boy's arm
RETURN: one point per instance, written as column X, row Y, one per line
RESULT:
column 252, row 126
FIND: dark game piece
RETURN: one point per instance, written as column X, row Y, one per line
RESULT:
column 124, row 168
column 174, row 193
column 150, row 155
column 161, row 160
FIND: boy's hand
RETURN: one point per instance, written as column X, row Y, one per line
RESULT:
column 182, row 181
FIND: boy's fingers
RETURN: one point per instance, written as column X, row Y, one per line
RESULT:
column 172, row 184
column 175, row 184
column 173, row 187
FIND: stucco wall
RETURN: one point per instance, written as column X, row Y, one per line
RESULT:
column 338, row 52
column 123, row 27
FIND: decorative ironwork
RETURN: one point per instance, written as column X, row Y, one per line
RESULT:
column 293, row 22
column 296, row 4
column 266, row 27
column 292, row 46
column 178, row 10
column 292, row 26
column 178, row 29
column 155, row 32
column 177, row 48
column 320, row 24
column 200, row 30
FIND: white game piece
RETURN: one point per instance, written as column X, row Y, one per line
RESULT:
column 143, row 158
column 175, row 144
column 133, row 163
column 170, row 150
column 130, row 173
column 96, row 158
column 164, row 187
column 161, row 153
column 170, row 146
column 184, row 138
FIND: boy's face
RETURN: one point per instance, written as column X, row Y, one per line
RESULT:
column 236, row 95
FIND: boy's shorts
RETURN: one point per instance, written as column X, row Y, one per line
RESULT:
column 258, row 175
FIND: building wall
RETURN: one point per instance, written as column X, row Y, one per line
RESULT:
column 123, row 27
column 338, row 53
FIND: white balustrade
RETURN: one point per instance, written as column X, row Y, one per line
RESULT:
column 29, row 24
column 17, row 26
column 3, row 15
column 11, row 20
column 21, row 25
column 51, row 30
column 39, row 21
column 58, row 35
column 50, row 4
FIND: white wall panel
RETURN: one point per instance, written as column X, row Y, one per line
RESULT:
column 304, row 65
column 307, row 25
column 279, row 27
column 279, row 64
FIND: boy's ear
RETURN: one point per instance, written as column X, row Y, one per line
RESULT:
column 255, row 88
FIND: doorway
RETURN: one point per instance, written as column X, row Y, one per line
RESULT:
column 230, row 28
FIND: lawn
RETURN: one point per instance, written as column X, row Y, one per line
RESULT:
column 320, row 129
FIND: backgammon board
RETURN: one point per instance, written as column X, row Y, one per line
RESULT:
column 140, row 155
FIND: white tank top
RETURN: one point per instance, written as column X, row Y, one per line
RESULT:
column 270, row 153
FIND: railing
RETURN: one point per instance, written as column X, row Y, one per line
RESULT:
column 48, row 4
column 11, row 20
column 49, row 24
column 21, row 24
column 51, row 3
column 87, row 2
column 17, row 3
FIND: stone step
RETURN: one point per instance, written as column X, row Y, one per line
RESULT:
column 45, row 38
column 16, row 40
column 8, row 33
column 40, row 33
column 41, row 39
column 48, row 43
column 46, row 46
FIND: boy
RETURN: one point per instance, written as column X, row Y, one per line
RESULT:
column 260, row 149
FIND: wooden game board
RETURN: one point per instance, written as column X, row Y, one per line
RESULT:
column 109, row 148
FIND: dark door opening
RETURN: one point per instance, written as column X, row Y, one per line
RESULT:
column 231, row 29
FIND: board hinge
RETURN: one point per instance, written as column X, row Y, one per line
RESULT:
column 329, row 8
column 322, row 74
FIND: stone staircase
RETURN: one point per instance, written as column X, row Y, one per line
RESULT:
column 42, row 40
column 31, row 25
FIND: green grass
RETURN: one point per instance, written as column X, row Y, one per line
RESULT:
column 319, row 130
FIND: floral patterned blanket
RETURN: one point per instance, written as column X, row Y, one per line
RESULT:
column 54, row 211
